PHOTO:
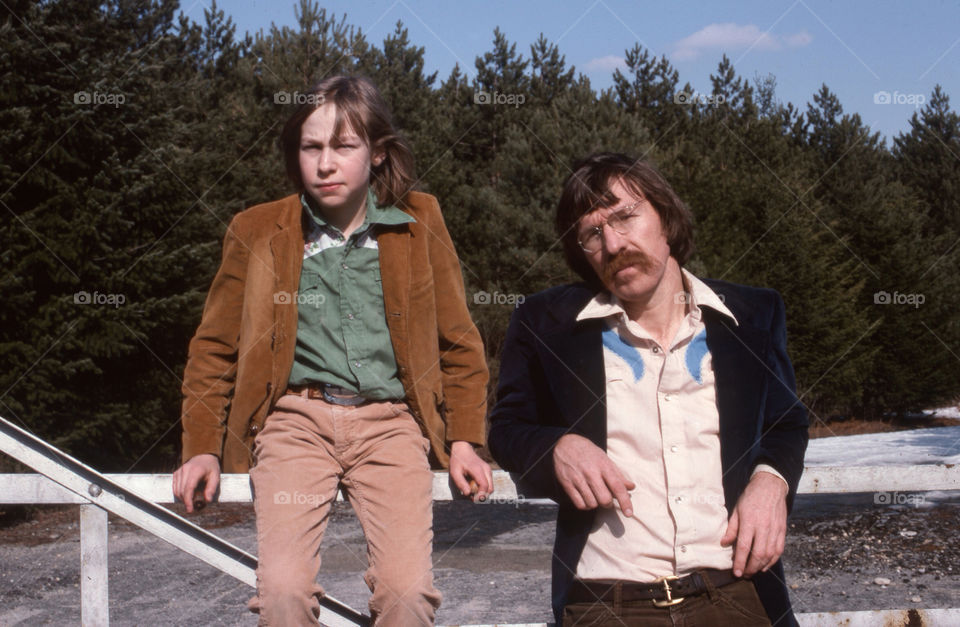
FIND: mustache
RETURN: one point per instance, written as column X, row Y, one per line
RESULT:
column 636, row 258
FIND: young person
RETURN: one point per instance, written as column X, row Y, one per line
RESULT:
column 336, row 350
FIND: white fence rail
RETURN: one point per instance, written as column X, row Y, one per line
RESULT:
column 135, row 497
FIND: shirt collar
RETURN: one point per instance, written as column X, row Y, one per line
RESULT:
column 605, row 304
column 388, row 215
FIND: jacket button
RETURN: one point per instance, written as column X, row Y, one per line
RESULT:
column 269, row 387
column 254, row 429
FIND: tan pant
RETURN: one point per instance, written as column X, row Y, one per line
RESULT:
column 377, row 453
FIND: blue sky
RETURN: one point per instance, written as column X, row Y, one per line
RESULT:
column 881, row 58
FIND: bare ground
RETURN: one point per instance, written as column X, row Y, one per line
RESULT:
column 844, row 552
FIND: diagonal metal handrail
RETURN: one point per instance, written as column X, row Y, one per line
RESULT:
column 159, row 521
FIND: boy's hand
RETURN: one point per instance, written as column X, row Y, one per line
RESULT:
column 466, row 465
column 203, row 468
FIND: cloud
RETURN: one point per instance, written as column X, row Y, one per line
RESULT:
column 798, row 40
column 731, row 36
column 606, row 64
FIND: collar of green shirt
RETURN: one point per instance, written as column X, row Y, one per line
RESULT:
column 388, row 216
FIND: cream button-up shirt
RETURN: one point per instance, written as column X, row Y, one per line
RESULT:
column 663, row 434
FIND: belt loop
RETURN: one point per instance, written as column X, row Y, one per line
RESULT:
column 617, row 598
column 708, row 584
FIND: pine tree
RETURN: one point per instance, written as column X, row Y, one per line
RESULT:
column 928, row 160
column 747, row 188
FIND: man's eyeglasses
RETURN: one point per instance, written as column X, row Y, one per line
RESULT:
column 621, row 221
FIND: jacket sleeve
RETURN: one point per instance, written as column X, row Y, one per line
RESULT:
column 463, row 364
column 524, row 424
column 783, row 438
column 210, row 373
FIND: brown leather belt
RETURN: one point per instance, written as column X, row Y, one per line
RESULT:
column 329, row 393
column 663, row 592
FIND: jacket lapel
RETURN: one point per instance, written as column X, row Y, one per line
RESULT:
column 573, row 358
column 394, row 245
column 286, row 249
column 738, row 362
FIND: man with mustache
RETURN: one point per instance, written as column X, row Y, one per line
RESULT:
column 659, row 410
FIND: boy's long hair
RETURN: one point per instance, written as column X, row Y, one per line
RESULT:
column 360, row 107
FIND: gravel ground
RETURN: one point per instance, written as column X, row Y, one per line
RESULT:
column 844, row 552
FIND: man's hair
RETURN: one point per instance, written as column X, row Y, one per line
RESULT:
column 360, row 107
column 588, row 188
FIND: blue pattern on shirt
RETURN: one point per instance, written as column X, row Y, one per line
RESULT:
column 627, row 352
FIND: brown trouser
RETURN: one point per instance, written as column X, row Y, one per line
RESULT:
column 376, row 451
column 734, row 604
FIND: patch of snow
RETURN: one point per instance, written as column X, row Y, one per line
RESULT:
column 937, row 445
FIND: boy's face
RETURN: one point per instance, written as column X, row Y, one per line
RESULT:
column 335, row 169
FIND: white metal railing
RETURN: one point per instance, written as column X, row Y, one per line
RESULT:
column 136, row 497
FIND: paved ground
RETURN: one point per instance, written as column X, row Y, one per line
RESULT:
column 492, row 563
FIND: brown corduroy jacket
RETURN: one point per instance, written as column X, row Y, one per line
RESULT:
column 241, row 356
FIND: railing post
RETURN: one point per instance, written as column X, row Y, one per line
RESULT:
column 94, row 591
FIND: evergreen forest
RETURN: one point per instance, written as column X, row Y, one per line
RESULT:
column 130, row 135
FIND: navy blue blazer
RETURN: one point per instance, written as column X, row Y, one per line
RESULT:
column 552, row 383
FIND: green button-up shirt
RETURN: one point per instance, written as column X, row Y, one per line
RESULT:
column 342, row 334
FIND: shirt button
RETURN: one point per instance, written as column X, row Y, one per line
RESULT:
column 679, row 499
column 350, row 316
column 683, row 548
column 674, row 448
column 344, row 266
column 668, row 397
column 357, row 364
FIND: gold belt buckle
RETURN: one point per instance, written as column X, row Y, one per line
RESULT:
column 666, row 587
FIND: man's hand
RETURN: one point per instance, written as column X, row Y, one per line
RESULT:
column 588, row 476
column 203, row 468
column 465, row 465
column 758, row 525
